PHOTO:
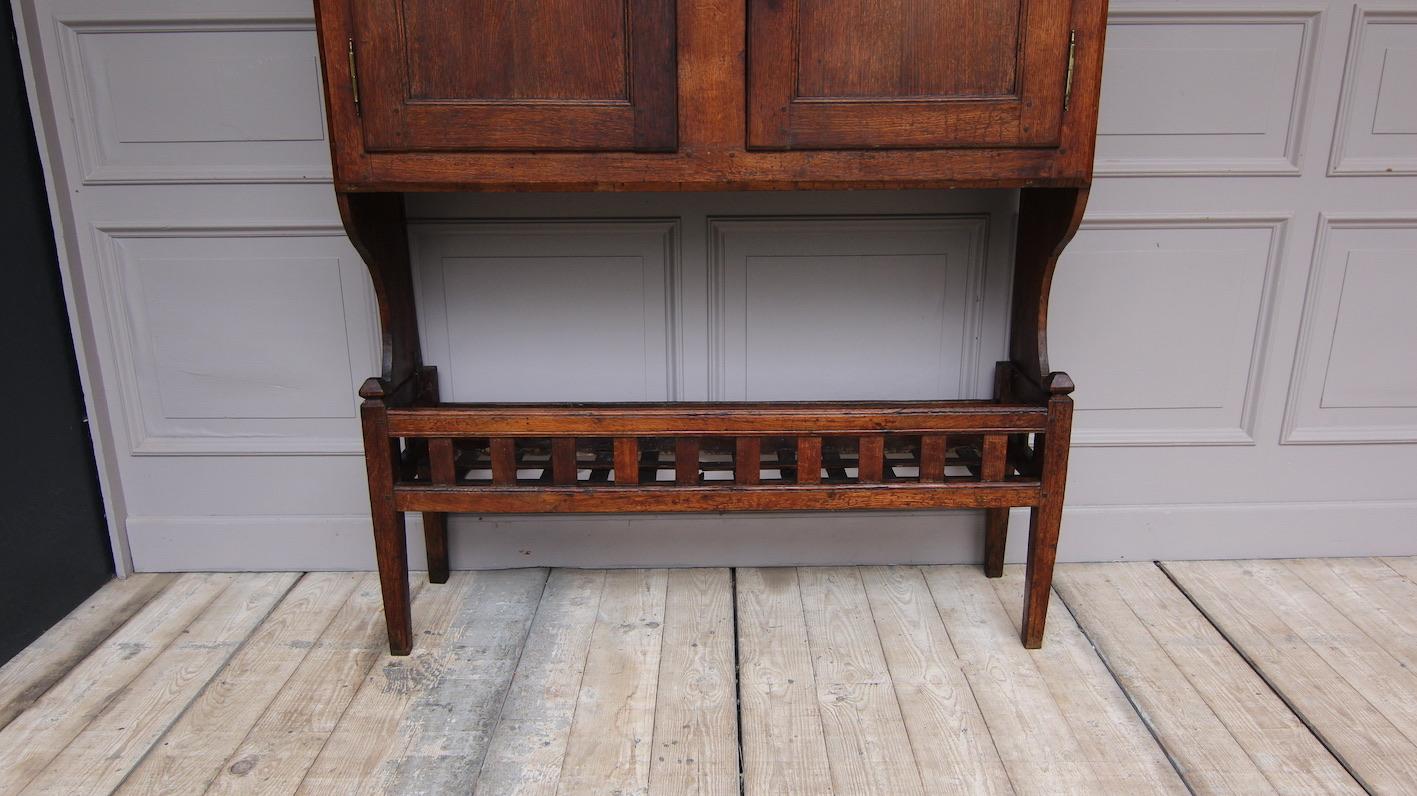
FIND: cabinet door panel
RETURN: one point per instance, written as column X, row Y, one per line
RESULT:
column 858, row 74
column 517, row 74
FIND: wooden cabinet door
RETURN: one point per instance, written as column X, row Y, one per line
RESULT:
column 860, row 74
column 516, row 74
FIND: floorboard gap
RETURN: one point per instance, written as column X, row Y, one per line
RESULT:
column 1259, row 672
column 1141, row 715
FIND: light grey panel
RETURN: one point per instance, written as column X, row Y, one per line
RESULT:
column 1162, row 324
column 239, row 340
column 549, row 311
column 1353, row 379
column 207, row 100
column 845, row 308
column 1377, row 122
column 1203, row 90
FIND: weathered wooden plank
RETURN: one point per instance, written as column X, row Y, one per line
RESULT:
column 279, row 749
column 696, row 721
column 868, row 748
column 611, row 741
column 528, row 745
column 444, row 735
column 25, row 677
column 1222, row 725
column 1373, row 596
column 783, row 747
column 953, row 750
column 353, row 753
column 1284, row 648
column 103, row 753
column 1113, row 738
column 35, row 737
column 191, row 752
column 1033, row 736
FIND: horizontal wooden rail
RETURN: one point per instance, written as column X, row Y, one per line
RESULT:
column 615, row 499
column 714, row 420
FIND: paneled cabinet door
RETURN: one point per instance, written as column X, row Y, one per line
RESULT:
column 862, row 74
column 516, row 74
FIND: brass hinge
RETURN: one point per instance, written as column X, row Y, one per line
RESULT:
column 354, row 77
column 1068, row 83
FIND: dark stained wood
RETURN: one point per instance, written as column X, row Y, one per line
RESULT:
column 504, row 461
column 442, row 469
column 747, row 460
column 563, row 461
column 627, row 461
column 712, row 119
column 1048, row 219
column 1046, row 518
column 376, row 226
column 716, row 419
column 381, row 455
column 943, row 48
column 847, row 74
column 871, row 455
column 789, row 497
column 686, row 461
column 809, row 460
column 516, row 74
column 932, row 458
column 996, row 448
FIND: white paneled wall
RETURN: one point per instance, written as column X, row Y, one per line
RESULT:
column 1237, row 310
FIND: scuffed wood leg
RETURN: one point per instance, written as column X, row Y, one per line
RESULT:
column 996, row 536
column 435, row 540
column 996, row 521
column 435, row 523
column 390, row 537
column 1045, row 519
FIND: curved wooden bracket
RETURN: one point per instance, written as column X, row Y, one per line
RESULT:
column 1047, row 220
column 376, row 226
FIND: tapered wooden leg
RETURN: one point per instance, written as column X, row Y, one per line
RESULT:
column 390, row 535
column 996, row 536
column 435, row 540
column 1045, row 519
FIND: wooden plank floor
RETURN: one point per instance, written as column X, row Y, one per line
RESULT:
column 1202, row 677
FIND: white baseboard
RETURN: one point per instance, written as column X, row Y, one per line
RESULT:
column 1090, row 533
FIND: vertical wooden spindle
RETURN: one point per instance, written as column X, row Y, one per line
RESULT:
column 627, row 460
column 504, row 461
column 870, row 461
column 747, row 460
column 563, row 461
column 996, row 455
column 932, row 458
column 686, row 461
column 440, row 461
column 809, row 460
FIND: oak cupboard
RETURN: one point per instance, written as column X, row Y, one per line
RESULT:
column 625, row 95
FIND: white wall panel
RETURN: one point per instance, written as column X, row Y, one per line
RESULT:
column 1162, row 324
column 238, row 340
column 230, row 99
column 1354, row 379
column 549, row 311
column 845, row 308
column 1205, row 90
column 1377, row 122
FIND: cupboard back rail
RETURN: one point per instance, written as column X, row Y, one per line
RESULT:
column 623, row 95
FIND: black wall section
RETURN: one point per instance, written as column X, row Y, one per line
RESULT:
column 53, row 545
